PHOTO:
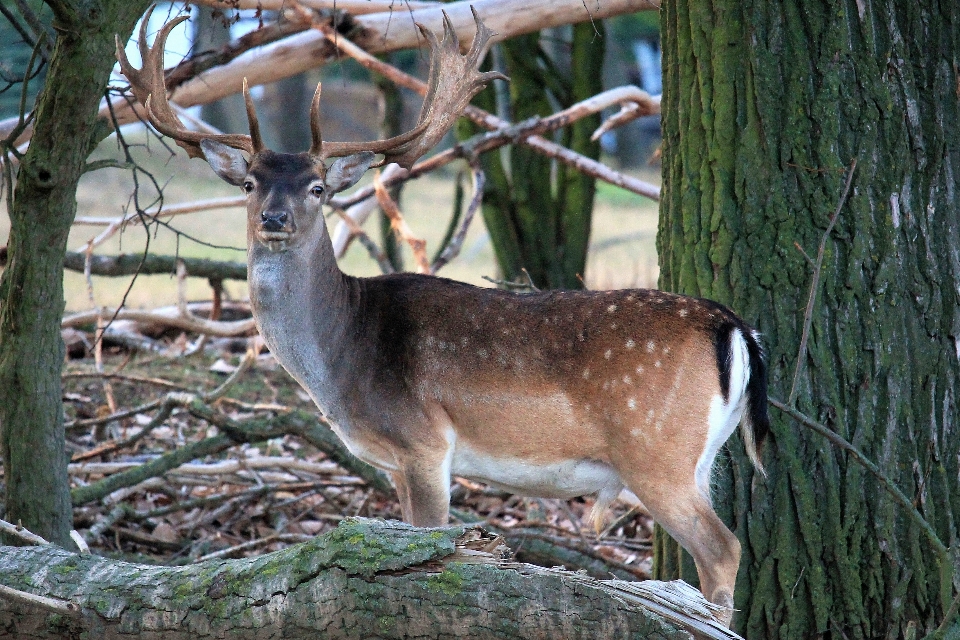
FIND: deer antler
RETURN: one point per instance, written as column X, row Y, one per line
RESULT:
column 453, row 81
column 148, row 86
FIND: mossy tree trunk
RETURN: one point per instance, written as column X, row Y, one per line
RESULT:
column 765, row 106
column 366, row 579
column 538, row 212
column 31, row 289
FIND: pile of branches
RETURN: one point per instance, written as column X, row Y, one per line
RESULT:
column 230, row 459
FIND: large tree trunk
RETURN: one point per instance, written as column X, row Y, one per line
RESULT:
column 365, row 579
column 31, row 289
column 765, row 105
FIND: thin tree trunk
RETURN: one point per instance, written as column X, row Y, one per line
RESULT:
column 766, row 106
column 537, row 213
column 365, row 579
column 211, row 32
column 31, row 289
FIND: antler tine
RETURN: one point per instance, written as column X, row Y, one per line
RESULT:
column 147, row 84
column 452, row 82
column 256, row 142
column 316, row 135
column 324, row 149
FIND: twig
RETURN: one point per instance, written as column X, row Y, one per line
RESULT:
column 132, row 379
column 356, row 232
column 224, row 329
column 209, row 501
column 619, row 522
column 248, row 359
column 20, row 532
column 52, row 605
column 529, row 285
column 99, row 528
column 136, row 217
column 456, row 242
column 254, row 430
column 254, row 544
column 98, row 339
column 129, row 413
column 400, row 226
column 219, row 468
column 885, row 482
column 814, row 286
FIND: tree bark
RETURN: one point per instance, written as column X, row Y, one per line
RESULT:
column 365, row 579
column 766, row 105
column 31, row 288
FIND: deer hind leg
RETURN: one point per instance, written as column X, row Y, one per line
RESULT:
column 688, row 516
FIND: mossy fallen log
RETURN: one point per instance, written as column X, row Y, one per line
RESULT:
column 367, row 578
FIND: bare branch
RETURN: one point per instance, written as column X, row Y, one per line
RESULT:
column 190, row 323
column 353, row 7
column 354, row 231
column 815, row 285
column 20, row 532
column 452, row 250
column 400, row 226
column 52, row 605
column 870, row 466
column 310, row 49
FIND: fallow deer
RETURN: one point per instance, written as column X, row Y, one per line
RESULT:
column 554, row 394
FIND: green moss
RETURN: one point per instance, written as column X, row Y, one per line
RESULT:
column 449, row 581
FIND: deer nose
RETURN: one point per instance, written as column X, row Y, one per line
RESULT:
column 273, row 220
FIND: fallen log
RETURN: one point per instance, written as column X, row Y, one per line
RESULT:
column 367, row 578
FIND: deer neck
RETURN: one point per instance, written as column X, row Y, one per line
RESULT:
column 302, row 305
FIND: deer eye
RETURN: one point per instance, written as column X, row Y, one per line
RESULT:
column 317, row 191
column 248, row 186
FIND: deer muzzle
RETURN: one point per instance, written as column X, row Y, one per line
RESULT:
column 273, row 221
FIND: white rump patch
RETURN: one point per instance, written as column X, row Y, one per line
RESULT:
column 725, row 416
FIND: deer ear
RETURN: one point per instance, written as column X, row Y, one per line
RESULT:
column 227, row 162
column 345, row 172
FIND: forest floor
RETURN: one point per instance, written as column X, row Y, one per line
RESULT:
column 258, row 497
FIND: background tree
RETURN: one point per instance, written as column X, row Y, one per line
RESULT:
column 766, row 105
column 538, row 212
column 31, row 289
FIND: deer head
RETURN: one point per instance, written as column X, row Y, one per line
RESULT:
column 286, row 191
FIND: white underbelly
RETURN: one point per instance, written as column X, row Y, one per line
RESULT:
column 561, row 479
